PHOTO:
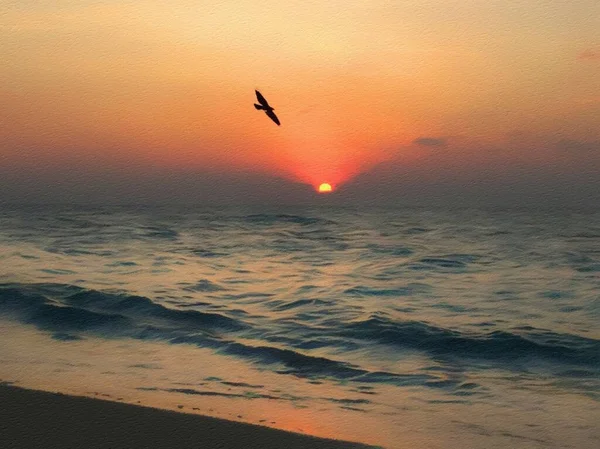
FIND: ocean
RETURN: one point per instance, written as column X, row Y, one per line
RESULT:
column 404, row 327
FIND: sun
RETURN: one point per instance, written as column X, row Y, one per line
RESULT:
column 325, row 188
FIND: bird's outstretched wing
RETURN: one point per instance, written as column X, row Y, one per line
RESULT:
column 261, row 99
column 273, row 117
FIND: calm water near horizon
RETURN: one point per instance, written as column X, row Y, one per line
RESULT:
column 407, row 328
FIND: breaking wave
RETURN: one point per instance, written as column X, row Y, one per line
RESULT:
column 71, row 313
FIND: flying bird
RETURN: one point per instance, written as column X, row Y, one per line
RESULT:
column 264, row 105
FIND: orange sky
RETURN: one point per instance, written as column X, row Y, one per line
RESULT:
column 148, row 84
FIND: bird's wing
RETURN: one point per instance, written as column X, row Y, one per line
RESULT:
column 273, row 117
column 261, row 99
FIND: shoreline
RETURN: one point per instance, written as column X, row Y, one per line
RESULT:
column 41, row 419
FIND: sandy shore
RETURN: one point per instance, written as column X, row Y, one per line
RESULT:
column 38, row 419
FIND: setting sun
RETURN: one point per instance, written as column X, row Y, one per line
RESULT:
column 325, row 188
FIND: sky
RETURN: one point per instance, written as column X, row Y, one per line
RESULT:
column 470, row 102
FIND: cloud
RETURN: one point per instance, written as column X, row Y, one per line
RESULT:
column 430, row 142
column 524, row 170
column 590, row 55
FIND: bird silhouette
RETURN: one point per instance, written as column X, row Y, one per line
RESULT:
column 264, row 106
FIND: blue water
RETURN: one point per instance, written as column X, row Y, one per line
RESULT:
column 459, row 305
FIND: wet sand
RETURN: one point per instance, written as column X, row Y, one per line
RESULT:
column 38, row 419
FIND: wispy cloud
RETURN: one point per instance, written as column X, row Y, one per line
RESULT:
column 430, row 142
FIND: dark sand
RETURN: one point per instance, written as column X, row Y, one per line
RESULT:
column 38, row 419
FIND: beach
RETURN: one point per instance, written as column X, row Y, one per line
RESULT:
column 39, row 419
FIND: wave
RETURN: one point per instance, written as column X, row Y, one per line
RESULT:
column 204, row 285
column 375, row 251
column 144, row 309
column 160, row 233
column 60, row 307
column 70, row 312
column 300, row 303
column 207, row 253
column 361, row 290
column 67, row 309
column 271, row 219
column 525, row 342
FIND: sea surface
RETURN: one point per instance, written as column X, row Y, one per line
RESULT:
column 404, row 328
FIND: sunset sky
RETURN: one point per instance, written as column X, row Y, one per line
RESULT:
column 482, row 100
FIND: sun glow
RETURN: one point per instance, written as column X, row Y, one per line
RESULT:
column 325, row 188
